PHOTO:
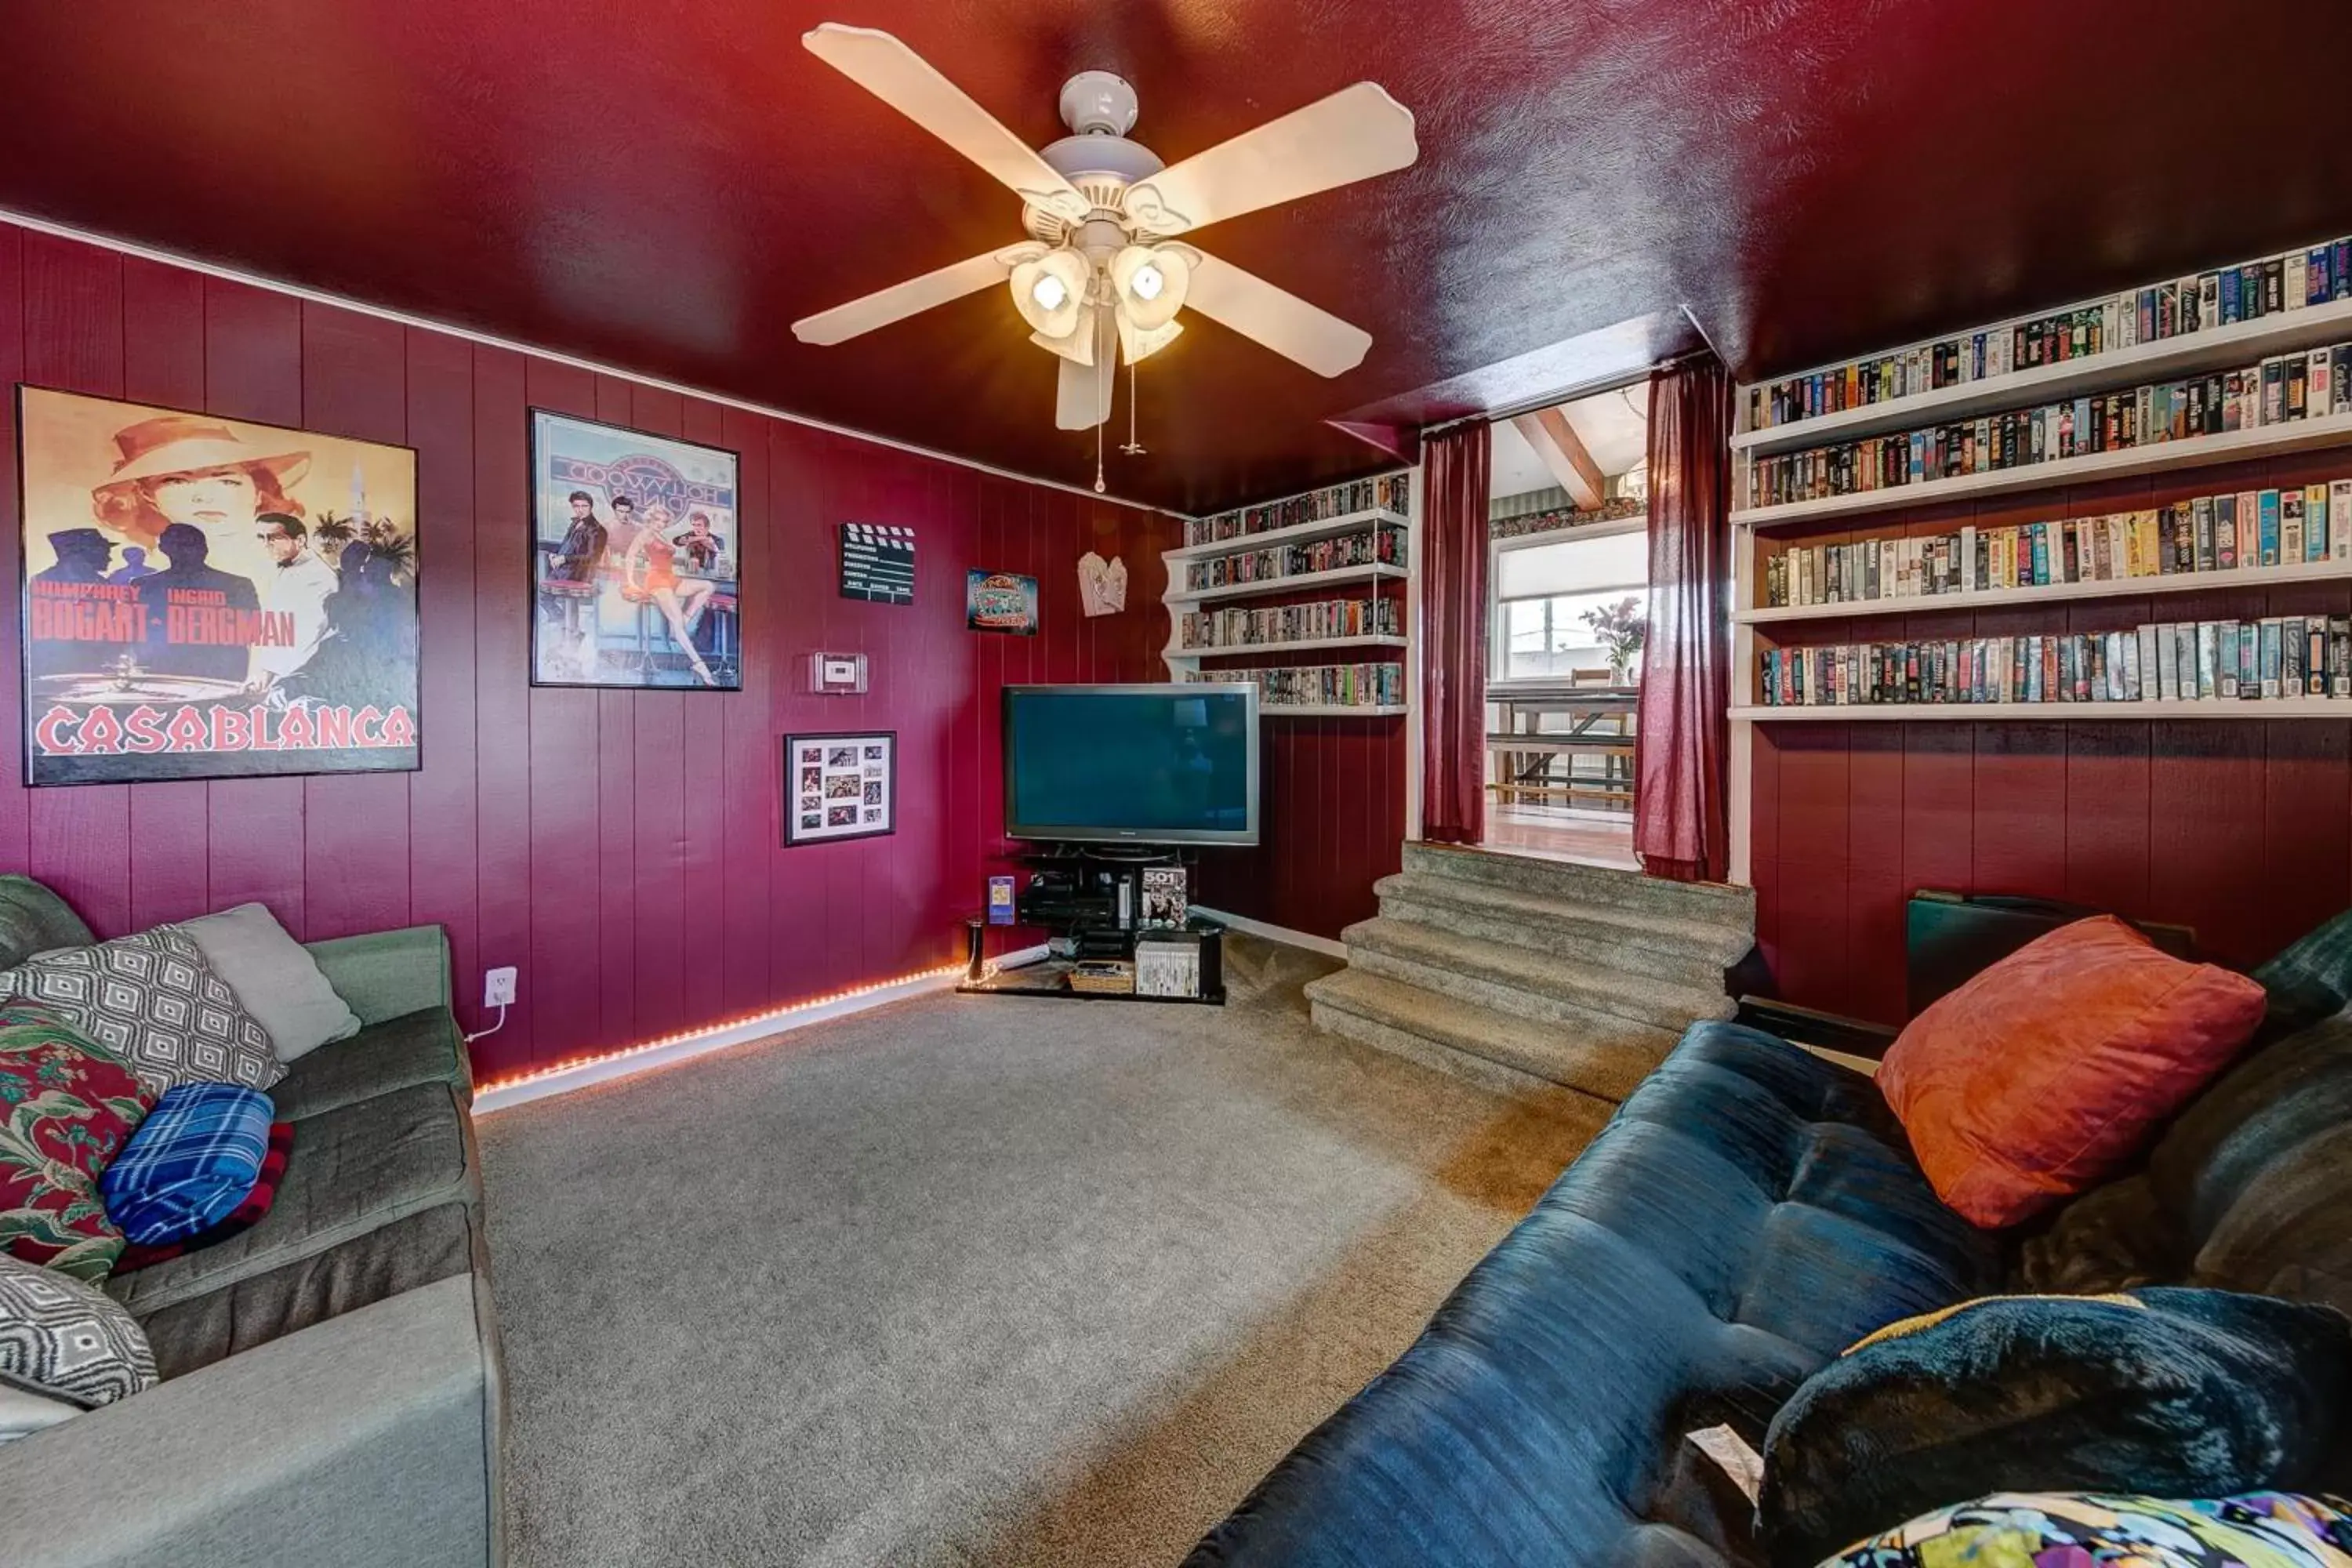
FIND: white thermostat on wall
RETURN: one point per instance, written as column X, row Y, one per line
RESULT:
column 838, row 674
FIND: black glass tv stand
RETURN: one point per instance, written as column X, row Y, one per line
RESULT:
column 1090, row 900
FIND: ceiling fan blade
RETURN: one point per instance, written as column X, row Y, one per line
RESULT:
column 1357, row 132
column 906, row 81
column 1082, row 397
column 903, row 299
column 1275, row 317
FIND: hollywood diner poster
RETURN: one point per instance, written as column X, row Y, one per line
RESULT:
column 212, row 598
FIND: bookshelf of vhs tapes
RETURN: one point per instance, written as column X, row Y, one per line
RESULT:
column 2286, row 403
column 1387, row 497
column 1335, row 559
column 2250, row 538
column 2278, row 665
column 1323, row 690
column 2249, row 310
column 1859, row 503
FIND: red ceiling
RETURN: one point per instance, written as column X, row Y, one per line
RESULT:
column 666, row 187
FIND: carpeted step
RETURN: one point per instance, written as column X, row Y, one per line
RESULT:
column 1514, row 1055
column 1531, row 984
column 1709, row 903
column 1691, row 951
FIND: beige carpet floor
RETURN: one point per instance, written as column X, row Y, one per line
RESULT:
column 976, row 1281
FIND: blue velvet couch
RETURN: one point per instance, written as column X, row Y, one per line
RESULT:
column 1751, row 1210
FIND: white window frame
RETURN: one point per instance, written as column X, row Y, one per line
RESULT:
column 1497, row 636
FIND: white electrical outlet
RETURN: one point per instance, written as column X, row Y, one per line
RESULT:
column 499, row 987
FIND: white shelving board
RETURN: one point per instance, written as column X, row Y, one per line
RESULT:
column 2196, row 451
column 1325, row 710
column 2002, row 598
column 2194, row 354
column 1296, row 534
column 1265, row 586
column 2229, row 709
column 1184, row 662
column 1180, row 660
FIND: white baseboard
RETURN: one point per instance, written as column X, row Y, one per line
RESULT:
column 1322, row 944
column 631, row 1060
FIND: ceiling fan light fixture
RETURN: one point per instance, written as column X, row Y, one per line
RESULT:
column 1138, row 343
column 1150, row 281
column 1050, row 293
column 1077, row 345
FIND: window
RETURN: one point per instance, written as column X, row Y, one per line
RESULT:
column 1542, row 591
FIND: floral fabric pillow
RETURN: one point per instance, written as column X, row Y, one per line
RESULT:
column 2277, row 1529
column 70, row 1106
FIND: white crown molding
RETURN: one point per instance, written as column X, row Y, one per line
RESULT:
column 278, row 286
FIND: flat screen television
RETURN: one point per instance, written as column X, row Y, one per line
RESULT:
column 1131, row 764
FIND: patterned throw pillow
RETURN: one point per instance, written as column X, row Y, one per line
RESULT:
column 70, row 1105
column 2277, row 1529
column 190, row 1162
column 153, row 1001
column 64, row 1339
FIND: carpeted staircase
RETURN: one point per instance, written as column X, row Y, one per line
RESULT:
column 1533, row 975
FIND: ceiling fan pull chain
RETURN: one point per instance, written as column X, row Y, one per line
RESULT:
column 1134, row 448
column 1098, row 442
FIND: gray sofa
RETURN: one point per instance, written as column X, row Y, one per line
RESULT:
column 330, row 1386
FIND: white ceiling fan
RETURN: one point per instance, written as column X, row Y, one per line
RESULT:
column 1102, row 277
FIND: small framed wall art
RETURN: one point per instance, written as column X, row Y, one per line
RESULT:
column 1002, row 602
column 840, row 786
column 878, row 564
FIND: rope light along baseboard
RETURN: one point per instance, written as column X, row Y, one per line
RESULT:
column 775, row 1015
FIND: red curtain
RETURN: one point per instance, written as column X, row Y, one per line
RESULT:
column 1682, row 739
column 1453, row 635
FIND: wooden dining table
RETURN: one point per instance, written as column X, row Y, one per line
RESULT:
column 1522, row 750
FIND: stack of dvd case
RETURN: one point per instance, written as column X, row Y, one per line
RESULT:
column 2220, row 298
column 2270, row 658
column 1388, row 492
column 2206, row 534
column 1320, row 685
column 2284, row 389
column 1209, row 630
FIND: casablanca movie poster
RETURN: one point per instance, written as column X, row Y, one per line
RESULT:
column 209, row 598
column 634, row 548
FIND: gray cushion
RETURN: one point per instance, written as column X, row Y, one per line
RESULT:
column 357, row 1273
column 33, row 920
column 275, row 978
column 416, row 1048
column 351, row 1171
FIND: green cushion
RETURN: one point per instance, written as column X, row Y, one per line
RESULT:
column 33, row 920
column 408, row 1253
column 416, row 1048
column 351, row 1171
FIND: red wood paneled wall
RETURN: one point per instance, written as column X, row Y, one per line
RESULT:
column 2240, row 829
column 621, row 847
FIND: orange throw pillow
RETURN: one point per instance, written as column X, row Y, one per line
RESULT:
column 2040, row 1077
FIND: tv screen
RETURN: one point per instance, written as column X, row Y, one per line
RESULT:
column 1143, row 765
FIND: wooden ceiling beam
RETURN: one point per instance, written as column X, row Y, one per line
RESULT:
column 1562, row 451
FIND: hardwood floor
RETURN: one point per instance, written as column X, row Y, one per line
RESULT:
column 1562, row 833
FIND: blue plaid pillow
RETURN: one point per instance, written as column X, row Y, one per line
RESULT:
column 190, row 1163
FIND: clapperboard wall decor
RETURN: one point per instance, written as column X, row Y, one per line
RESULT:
column 878, row 564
